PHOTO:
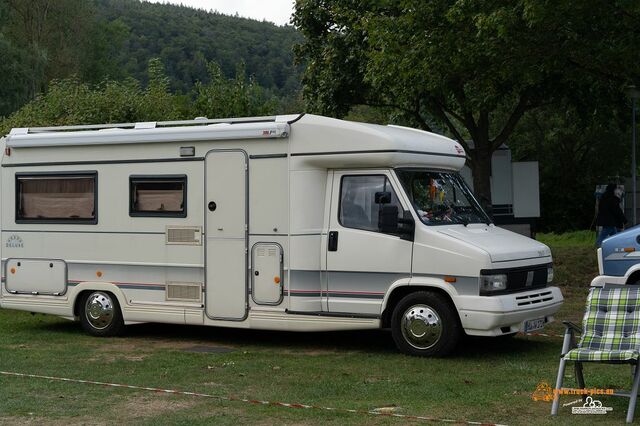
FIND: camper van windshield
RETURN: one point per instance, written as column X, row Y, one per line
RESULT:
column 441, row 198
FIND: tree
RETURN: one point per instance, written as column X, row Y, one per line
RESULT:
column 474, row 68
column 70, row 101
column 53, row 30
column 237, row 97
column 577, row 149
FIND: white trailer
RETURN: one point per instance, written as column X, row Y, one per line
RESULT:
column 301, row 223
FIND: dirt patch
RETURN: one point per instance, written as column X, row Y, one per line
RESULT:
column 65, row 421
column 136, row 345
column 313, row 352
column 107, row 358
column 153, row 405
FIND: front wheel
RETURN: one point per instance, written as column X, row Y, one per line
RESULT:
column 100, row 314
column 425, row 324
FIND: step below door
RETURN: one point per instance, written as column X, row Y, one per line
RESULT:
column 226, row 234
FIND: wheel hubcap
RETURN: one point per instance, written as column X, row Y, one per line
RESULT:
column 421, row 326
column 99, row 310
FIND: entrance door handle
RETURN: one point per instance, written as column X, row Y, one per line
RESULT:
column 333, row 241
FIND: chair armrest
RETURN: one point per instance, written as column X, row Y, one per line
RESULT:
column 568, row 325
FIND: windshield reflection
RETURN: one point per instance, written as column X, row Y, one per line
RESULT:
column 441, row 198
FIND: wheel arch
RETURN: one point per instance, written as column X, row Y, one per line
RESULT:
column 87, row 287
column 634, row 276
column 402, row 289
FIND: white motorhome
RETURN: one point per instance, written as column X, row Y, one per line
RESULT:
column 301, row 223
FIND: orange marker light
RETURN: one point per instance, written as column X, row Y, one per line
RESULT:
column 98, row 274
column 629, row 249
column 276, row 280
column 450, row 279
column 13, row 270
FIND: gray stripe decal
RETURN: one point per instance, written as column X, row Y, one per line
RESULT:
column 129, row 286
column 83, row 232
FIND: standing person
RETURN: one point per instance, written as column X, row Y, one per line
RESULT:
column 610, row 215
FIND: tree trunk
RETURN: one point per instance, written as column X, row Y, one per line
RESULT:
column 481, row 169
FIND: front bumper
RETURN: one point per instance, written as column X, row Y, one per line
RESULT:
column 505, row 314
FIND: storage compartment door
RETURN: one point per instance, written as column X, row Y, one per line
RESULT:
column 36, row 276
column 266, row 288
column 226, row 235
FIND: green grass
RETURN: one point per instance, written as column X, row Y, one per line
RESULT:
column 568, row 239
column 488, row 380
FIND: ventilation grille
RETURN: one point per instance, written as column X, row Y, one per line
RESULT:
column 189, row 235
column 535, row 298
column 190, row 292
column 267, row 252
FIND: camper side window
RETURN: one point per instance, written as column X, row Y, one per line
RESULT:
column 359, row 208
column 164, row 196
column 56, row 197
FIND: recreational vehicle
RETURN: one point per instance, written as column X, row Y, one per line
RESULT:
column 300, row 223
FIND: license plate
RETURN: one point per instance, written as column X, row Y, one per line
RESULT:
column 533, row 325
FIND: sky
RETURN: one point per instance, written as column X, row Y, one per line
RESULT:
column 276, row 11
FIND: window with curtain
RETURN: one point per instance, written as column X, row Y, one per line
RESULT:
column 158, row 196
column 56, row 198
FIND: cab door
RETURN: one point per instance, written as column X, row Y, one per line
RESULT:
column 364, row 255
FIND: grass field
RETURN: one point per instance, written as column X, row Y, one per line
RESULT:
column 486, row 380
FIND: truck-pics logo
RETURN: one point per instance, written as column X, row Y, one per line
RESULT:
column 14, row 241
column 591, row 406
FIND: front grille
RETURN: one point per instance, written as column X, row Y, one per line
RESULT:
column 521, row 279
column 526, row 279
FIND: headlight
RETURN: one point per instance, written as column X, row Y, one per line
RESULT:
column 549, row 274
column 491, row 283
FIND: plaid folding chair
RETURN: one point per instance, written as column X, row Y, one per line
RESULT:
column 611, row 335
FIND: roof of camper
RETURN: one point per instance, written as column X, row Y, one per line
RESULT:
column 311, row 135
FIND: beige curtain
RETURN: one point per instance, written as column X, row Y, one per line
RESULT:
column 57, row 198
column 159, row 200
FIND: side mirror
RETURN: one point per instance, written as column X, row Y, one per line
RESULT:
column 388, row 218
column 382, row 197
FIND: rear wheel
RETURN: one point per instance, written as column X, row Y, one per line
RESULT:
column 100, row 314
column 425, row 324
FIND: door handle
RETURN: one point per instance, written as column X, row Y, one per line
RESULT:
column 333, row 241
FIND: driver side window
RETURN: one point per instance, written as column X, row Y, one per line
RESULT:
column 358, row 207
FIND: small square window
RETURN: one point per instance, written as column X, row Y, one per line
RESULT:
column 164, row 196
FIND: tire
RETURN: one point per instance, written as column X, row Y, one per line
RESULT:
column 425, row 324
column 100, row 314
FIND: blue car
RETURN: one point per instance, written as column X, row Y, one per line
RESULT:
column 619, row 259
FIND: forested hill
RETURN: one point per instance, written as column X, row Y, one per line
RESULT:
column 185, row 39
column 96, row 40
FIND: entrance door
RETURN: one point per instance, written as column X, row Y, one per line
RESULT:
column 226, row 234
column 363, row 258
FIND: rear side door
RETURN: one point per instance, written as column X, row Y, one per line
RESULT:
column 363, row 260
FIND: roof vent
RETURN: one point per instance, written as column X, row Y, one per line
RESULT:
column 201, row 118
column 145, row 125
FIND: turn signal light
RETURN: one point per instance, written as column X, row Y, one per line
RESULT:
column 629, row 249
column 450, row 279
